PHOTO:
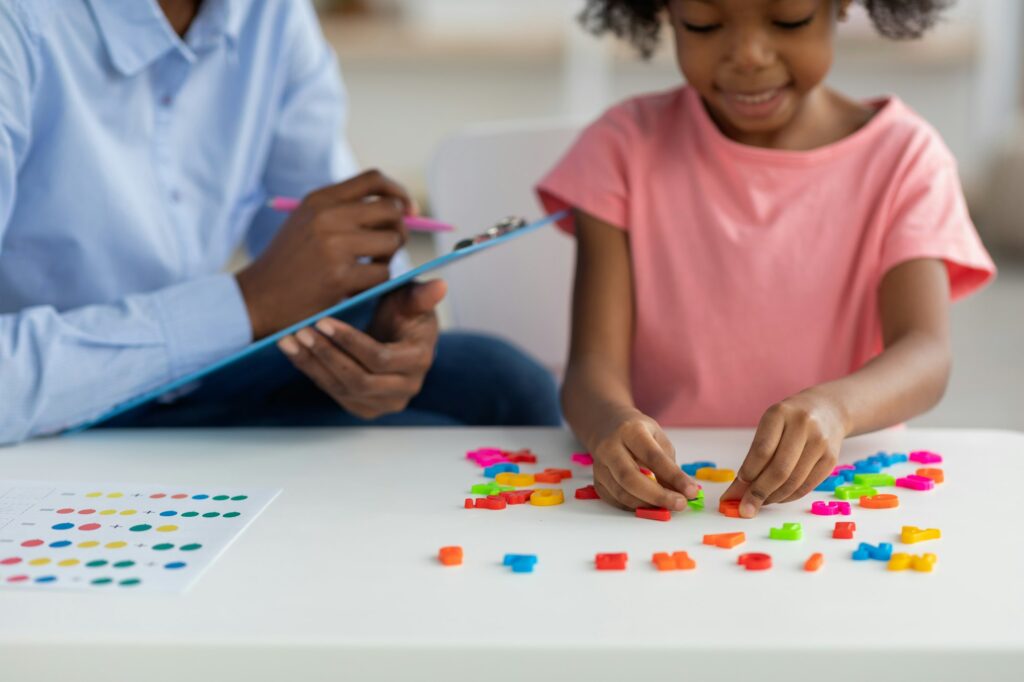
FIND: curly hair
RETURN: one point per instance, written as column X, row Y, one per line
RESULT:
column 639, row 21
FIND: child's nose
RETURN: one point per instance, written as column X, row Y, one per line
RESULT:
column 751, row 50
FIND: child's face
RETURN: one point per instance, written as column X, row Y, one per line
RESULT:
column 754, row 61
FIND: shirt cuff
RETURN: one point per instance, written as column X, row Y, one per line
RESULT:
column 204, row 320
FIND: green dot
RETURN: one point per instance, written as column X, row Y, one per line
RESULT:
column 190, row 514
column 189, row 548
column 239, row 498
column 221, row 498
column 96, row 563
column 140, row 527
column 231, row 515
column 124, row 564
column 211, row 515
column 129, row 582
column 102, row 581
column 162, row 546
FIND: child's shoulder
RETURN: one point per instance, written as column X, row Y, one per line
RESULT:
column 903, row 130
column 642, row 114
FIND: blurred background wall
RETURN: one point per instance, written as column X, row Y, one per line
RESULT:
column 420, row 70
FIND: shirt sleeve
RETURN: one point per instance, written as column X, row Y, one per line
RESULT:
column 309, row 148
column 931, row 220
column 593, row 175
column 62, row 368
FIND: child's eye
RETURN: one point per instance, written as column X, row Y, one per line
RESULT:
column 793, row 25
column 705, row 28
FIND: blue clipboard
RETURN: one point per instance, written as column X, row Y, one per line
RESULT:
column 347, row 305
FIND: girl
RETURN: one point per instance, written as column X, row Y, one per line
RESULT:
column 756, row 248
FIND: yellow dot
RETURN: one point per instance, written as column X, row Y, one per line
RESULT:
column 108, row 512
column 116, row 545
column 116, row 495
column 88, row 543
column 93, row 494
column 128, row 512
column 41, row 561
column 166, row 529
column 68, row 562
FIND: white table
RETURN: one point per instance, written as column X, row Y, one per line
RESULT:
column 339, row 578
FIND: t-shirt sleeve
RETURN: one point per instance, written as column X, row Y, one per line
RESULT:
column 592, row 175
column 930, row 220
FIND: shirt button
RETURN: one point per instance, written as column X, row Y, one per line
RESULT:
column 166, row 100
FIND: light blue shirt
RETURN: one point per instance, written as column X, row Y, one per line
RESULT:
column 132, row 164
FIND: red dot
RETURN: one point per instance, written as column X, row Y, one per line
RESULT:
column 89, row 526
column 10, row 561
column 31, row 543
column 179, row 496
column 17, row 579
column 157, row 496
column 86, row 511
column 65, row 510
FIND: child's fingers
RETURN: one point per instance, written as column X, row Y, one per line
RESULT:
column 822, row 468
column 628, row 476
column 610, row 491
column 782, row 463
column 763, row 446
column 735, row 490
column 659, row 456
column 813, row 451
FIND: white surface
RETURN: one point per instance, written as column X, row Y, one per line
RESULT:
column 521, row 291
column 133, row 521
column 338, row 578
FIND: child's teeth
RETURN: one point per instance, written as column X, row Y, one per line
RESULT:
column 756, row 99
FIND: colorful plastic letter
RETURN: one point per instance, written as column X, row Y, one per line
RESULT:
column 881, row 553
column 844, row 530
column 936, row 475
column 516, row 496
column 755, row 561
column 926, row 457
column 494, row 502
column 725, row 540
column 501, row 468
column 912, row 534
column 450, row 556
column 915, row 483
column 489, row 488
column 715, row 475
column 522, row 457
column 697, row 503
column 882, row 501
column 729, row 508
column 789, row 531
column 611, row 562
column 830, row 508
column 692, row 467
column 814, row 562
column 924, row 563
column 655, row 514
column 587, row 492
column 829, row 484
column 582, row 458
column 520, row 563
column 552, row 475
column 677, row 561
column 850, row 492
column 548, row 497
column 874, row 480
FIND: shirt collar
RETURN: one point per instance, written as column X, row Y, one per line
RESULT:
column 137, row 33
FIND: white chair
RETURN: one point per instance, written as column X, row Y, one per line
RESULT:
column 522, row 290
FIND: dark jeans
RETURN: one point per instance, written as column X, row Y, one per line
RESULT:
column 475, row 380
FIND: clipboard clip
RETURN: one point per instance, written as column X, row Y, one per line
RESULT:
column 500, row 228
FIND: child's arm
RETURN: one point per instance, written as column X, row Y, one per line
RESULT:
column 596, row 397
column 797, row 441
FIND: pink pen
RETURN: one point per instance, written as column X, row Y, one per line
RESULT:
column 413, row 222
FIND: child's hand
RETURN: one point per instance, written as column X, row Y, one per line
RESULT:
column 795, row 448
column 634, row 441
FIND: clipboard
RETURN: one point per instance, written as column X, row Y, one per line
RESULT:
column 502, row 232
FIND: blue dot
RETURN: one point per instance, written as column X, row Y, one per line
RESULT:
column 169, row 512
column 63, row 526
column 46, row 579
column 199, row 497
column 60, row 543
column 175, row 564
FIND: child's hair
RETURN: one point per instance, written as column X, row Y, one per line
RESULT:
column 639, row 21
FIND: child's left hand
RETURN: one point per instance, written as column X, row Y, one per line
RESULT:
column 795, row 448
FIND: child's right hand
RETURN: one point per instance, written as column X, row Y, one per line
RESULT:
column 633, row 441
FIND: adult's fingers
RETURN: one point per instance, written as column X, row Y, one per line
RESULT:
column 371, row 183
column 378, row 245
column 372, row 355
column 350, row 377
column 359, row 277
column 781, row 465
column 658, row 454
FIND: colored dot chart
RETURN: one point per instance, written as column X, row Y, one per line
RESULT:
column 113, row 537
column 869, row 489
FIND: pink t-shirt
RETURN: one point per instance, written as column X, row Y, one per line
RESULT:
column 756, row 271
